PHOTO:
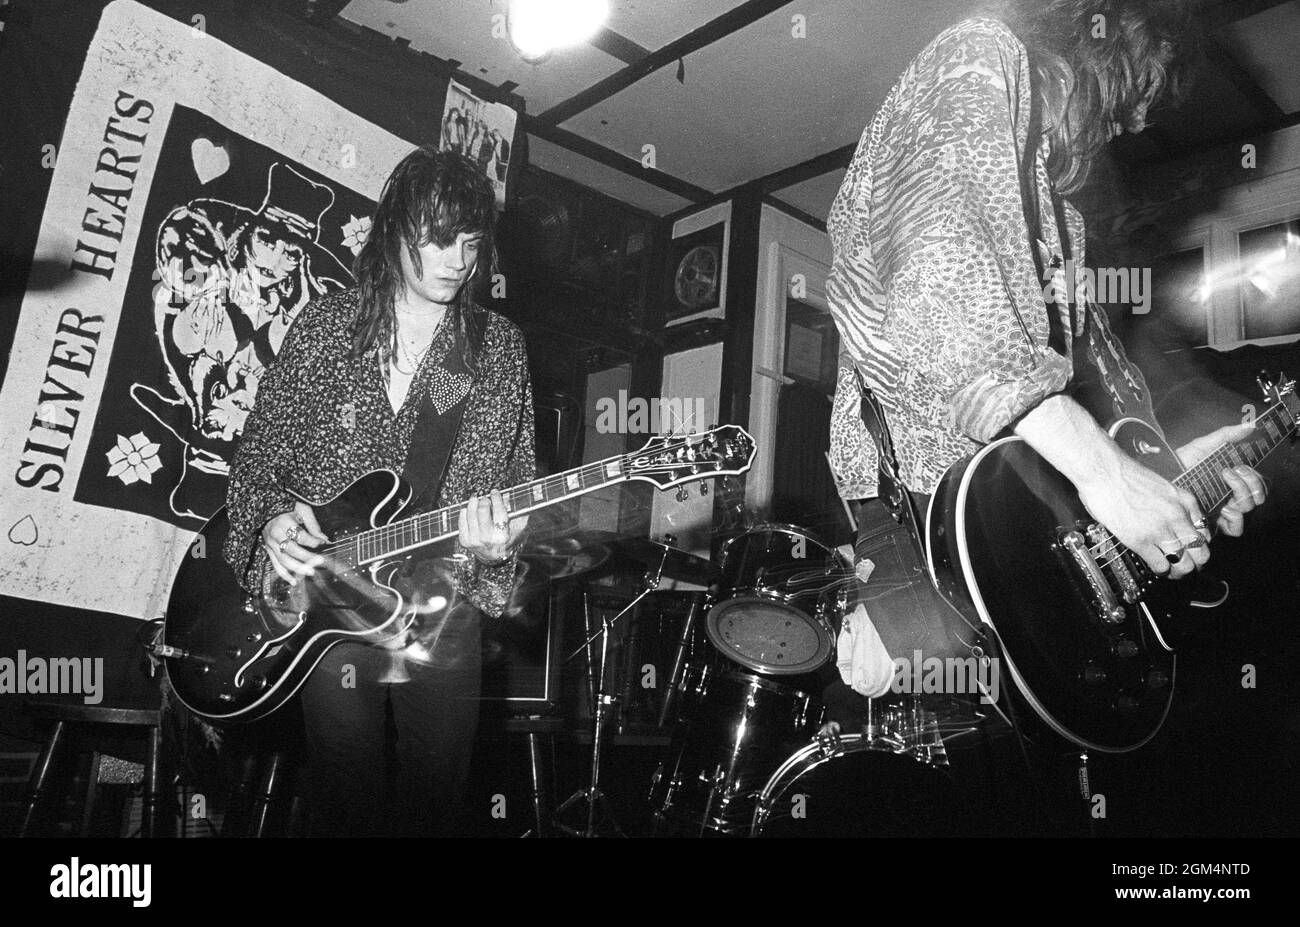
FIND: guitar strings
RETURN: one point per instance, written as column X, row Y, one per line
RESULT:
column 388, row 533
column 1204, row 482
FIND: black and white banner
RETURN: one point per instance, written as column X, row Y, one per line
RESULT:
column 200, row 199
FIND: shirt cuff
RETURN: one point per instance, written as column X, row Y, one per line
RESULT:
column 985, row 407
column 488, row 588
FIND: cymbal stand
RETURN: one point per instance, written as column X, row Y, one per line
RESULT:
column 592, row 797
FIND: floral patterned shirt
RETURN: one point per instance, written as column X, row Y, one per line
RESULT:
column 933, row 285
column 322, row 419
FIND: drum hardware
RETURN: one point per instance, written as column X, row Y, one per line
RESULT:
column 670, row 561
column 699, row 601
column 597, row 806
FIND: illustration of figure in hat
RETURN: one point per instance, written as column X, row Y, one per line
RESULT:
column 233, row 281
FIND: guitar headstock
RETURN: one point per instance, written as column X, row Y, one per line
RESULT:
column 1279, row 393
column 667, row 460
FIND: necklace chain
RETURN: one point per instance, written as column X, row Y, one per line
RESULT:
column 411, row 357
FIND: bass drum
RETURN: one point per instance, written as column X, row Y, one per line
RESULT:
column 735, row 729
column 857, row 788
column 772, row 618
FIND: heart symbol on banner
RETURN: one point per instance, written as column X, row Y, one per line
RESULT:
column 24, row 531
column 210, row 161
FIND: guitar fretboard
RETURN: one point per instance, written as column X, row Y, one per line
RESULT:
column 1205, row 480
column 664, row 461
column 431, row 527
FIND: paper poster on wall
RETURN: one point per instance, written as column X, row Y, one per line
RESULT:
column 483, row 131
column 200, row 200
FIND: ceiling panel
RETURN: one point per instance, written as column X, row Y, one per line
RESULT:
column 597, row 176
column 462, row 30
column 652, row 24
column 1265, row 44
column 814, row 196
column 760, row 99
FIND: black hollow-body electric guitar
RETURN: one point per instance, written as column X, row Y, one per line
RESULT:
column 234, row 656
column 1078, row 616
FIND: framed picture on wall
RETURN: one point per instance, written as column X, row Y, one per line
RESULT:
column 695, row 273
column 812, row 346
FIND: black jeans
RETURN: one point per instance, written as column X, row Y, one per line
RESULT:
column 908, row 613
column 352, row 787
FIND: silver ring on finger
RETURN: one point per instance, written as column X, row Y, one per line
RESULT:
column 501, row 526
column 1176, row 555
column 292, row 533
column 282, row 544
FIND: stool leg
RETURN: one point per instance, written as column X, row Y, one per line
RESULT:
column 36, row 785
column 92, row 788
column 151, row 786
column 266, row 792
column 539, row 795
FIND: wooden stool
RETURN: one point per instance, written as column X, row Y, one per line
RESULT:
column 537, row 728
column 94, row 721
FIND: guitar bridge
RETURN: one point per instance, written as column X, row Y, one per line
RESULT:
column 1108, row 608
column 1115, row 564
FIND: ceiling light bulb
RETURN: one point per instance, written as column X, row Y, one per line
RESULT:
column 538, row 27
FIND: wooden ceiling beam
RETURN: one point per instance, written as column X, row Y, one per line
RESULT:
column 732, row 21
column 1219, row 13
column 618, row 46
column 806, row 170
column 619, row 162
column 1221, row 59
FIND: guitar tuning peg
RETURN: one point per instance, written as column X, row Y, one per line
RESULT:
column 682, row 494
column 704, row 488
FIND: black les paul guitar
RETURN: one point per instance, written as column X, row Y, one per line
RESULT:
column 1078, row 615
column 233, row 657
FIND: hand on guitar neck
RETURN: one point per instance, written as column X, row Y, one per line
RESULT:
column 1159, row 521
column 291, row 537
column 1248, row 489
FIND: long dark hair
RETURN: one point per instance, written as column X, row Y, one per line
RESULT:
column 1088, row 82
column 431, row 196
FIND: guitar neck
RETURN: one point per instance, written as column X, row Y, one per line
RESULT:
column 1205, row 480
column 431, row 527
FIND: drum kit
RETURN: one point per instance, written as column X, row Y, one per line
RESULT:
column 750, row 752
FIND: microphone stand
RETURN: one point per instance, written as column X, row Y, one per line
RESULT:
column 592, row 797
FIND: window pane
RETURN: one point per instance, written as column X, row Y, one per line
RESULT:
column 1178, row 300
column 1270, row 280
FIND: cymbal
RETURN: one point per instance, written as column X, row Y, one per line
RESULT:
column 677, row 563
column 565, row 557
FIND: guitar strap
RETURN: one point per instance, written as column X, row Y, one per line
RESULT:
column 436, row 432
column 909, row 613
column 1058, row 338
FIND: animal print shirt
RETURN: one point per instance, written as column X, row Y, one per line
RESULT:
column 322, row 419
column 933, row 286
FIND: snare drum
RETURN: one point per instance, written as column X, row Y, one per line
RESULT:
column 736, row 729
column 773, row 616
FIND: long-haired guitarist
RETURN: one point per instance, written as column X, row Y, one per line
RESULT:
column 951, row 241
column 403, row 372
